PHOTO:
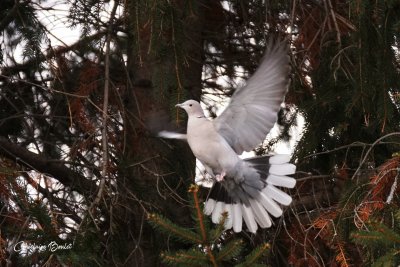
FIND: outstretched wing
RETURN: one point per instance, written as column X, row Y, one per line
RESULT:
column 253, row 109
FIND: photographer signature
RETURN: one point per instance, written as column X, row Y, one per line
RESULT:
column 31, row 247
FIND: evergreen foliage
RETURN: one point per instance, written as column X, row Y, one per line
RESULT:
column 351, row 87
column 381, row 242
column 37, row 233
column 210, row 247
column 363, row 228
column 76, row 168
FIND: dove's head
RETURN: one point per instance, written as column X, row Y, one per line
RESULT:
column 192, row 108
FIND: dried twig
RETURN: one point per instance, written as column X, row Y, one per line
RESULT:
column 104, row 171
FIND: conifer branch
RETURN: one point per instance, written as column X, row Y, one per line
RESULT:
column 173, row 259
column 380, row 234
column 252, row 258
column 230, row 250
column 211, row 256
column 194, row 190
column 387, row 259
column 191, row 257
column 341, row 257
column 216, row 233
column 43, row 164
column 169, row 227
column 370, row 149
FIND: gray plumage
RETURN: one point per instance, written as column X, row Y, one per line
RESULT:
column 253, row 109
column 244, row 188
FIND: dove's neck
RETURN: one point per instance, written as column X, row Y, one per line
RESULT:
column 196, row 121
column 197, row 114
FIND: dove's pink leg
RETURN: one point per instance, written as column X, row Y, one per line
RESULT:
column 220, row 177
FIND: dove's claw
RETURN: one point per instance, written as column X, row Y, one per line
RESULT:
column 220, row 177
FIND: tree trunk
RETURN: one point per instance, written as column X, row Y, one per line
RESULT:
column 156, row 173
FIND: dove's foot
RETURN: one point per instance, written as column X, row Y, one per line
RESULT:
column 220, row 177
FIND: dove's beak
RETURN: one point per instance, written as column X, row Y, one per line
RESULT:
column 178, row 105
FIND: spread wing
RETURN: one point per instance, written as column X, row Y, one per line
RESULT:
column 253, row 109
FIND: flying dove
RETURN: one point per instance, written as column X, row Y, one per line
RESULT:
column 245, row 188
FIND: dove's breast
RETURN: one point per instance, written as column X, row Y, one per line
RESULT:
column 209, row 146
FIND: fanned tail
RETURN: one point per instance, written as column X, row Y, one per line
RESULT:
column 253, row 201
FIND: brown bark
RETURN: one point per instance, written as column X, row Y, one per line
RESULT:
column 157, row 172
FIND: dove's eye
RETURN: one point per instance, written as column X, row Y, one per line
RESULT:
column 190, row 105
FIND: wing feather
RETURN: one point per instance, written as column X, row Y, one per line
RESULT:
column 253, row 109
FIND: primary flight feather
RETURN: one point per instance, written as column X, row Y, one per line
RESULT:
column 245, row 188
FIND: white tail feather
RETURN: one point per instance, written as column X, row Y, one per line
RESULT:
column 229, row 220
column 249, row 218
column 216, row 214
column 282, row 169
column 270, row 205
column 277, row 195
column 281, row 180
column 209, row 206
column 260, row 214
column 237, row 217
column 262, row 206
column 279, row 159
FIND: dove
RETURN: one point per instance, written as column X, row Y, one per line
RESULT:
column 247, row 189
